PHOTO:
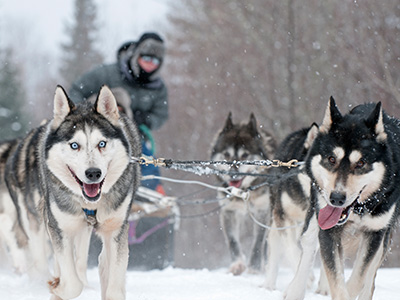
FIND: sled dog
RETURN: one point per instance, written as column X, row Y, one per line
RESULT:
column 22, row 180
column 243, row 142
column 290, row 201
column 12, row 235
column 87, row 181
column 355, row 172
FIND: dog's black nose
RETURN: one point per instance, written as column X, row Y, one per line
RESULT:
column 337, row 199
column 93, row 174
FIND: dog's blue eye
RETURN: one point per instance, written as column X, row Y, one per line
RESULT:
column 74, row 146
column 102, row 144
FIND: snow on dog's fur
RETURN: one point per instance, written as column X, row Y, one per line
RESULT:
column 89, row 182
column 354, row 166
column 79, row 166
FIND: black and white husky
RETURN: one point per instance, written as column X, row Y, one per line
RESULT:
column 237, row 142
column 290, row 202
column 354, row 165
column 80, row 166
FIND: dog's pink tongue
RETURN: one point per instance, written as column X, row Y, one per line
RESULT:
column 91, row 189
column 329, row 216
column 235, row 183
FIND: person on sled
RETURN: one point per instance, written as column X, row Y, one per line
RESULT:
column 140, row 91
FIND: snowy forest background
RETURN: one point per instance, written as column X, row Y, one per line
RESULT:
column 281, row 60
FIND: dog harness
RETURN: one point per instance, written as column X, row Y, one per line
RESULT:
column 90, row 216
column 367, row 206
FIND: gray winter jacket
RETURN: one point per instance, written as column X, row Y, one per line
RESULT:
column 148, row 100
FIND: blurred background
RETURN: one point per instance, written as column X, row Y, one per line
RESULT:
column 281, row 60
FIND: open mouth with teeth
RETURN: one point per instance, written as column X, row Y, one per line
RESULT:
column 330, row 216
column 91, row 191
column 236, row 182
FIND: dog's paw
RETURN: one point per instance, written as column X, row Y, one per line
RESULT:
column 294, row 293
column 311, row 279
column 323, row 286
column 292, row 297
column 254, row 271
column 53, row 283
column 63, row 291
column 19, row 270
column 269, row 286
column 237, row 268
column 54, row 297
column 322, row 291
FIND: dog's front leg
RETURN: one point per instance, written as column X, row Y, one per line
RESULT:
column 66, row 284
column 259, row 243
column 308, row 242
column 332, row 259
column 369, row 258
column 82, row 249
column 230, row 224
column 113, row 262
column 323, row 285
column 274, row 255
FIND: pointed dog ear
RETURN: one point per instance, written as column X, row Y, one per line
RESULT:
column 332, row 115
column 106, row 105
column 311, row 135
column 62, row 107
column 375, row 123
column 228, row 123
column 252, row 125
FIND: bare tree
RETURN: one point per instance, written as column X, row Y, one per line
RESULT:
column 79, row 54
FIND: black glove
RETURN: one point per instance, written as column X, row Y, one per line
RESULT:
column 141, row 118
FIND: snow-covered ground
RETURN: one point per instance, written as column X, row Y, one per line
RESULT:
column 188, row 284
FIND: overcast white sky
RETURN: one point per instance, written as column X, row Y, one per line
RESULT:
column 120, row 20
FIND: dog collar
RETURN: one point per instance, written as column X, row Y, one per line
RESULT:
column 90, row 216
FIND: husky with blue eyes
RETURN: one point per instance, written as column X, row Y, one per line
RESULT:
column 81, row 172
column 88, row 181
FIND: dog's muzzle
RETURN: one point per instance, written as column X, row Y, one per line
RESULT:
column 336, row 214
column 91, row 191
